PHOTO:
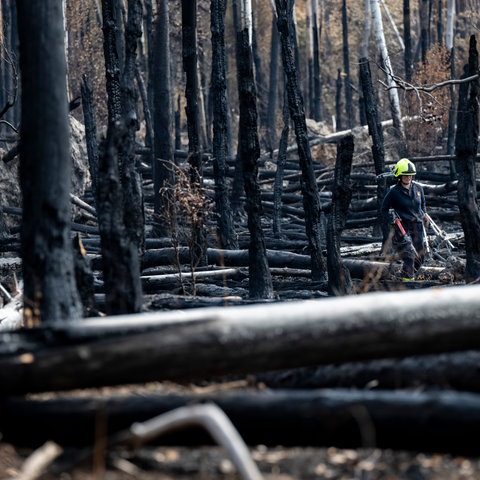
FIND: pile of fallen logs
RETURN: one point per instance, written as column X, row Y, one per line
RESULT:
column 423, row 342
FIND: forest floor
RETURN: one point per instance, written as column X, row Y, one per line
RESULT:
column 211, row 462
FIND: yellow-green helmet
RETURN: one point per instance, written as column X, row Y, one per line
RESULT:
column 404, row 167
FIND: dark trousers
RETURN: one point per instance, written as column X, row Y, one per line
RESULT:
column 413, row 258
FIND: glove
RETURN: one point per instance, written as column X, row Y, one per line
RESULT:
column 391, row 217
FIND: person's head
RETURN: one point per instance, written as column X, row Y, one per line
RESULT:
column 404, row 168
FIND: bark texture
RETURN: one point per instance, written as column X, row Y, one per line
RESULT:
column 45, row 167
column 466, row 146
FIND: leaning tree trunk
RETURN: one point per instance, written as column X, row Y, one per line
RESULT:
column 260, row 280
column 376, row 132
column 311, row 201
column 225, row 228
column 392, row 91
column 466, row 147
column 50, row 292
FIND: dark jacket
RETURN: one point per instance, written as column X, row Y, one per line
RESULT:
column 409, row 204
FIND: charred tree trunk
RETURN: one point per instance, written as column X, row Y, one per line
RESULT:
column 225, row 228
column 407, row 37
column 346, row 67
column 260, row 281
column 120, row 255
column 163, row 171
column 317, row 84
column 273, row 88
column 339, row 281
column 90, row 132
column 428, row 421
column 311, row 201
column 190, row 66
column 466, row 147
column 134, row 214
column 208, row 342
column 376, row 132
column 281, row 159
column 50, row 292
column 338, row 101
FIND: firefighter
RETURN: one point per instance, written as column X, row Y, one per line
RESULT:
column 406, row 199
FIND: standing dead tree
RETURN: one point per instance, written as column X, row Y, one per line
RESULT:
column 50, row 292
column 260, row 281
column 466, row 146
column 311, row 201
column 339, row 281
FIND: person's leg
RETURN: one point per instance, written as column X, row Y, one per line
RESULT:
column 419, row 244
column 408, row 257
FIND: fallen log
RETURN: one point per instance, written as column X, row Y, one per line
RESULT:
column 238, row 258
column 455, row 371
column 217, row 341
column 428, row 421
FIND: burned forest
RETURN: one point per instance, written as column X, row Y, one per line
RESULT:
column 196, row 279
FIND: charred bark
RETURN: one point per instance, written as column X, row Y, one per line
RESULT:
column 339, row 281
column 249, row 151
column 249, row 339
column 225, row 228
column 311, row 202
column 466, row 146
column 376, row 132
column 344, row 418
column 50, row 292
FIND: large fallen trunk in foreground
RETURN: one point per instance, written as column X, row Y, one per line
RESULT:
column 423, row 421
column 217, row 341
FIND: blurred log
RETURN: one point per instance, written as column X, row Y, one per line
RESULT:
column 217, row 341
column 345, row 418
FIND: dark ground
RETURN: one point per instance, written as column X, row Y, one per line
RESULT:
column 214, row 462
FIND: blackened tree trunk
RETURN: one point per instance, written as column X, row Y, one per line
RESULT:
column 131, row 180
column 338, row 101
column 407, row 38
column 50, row 292
column 163, row 171
column 90, row 132
column 376, row 132
column 260, row 280
column 317, row 84
column 120, row 254
column 346, row 68
column 466, row 146
column 225, row 229
column 190, row 66
column 10, row 109
column 237, row 197
column 281, row 160
column 311, row 200
column 273, row 88
column 339, row 281
column 423, row 9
